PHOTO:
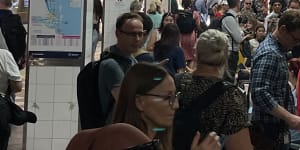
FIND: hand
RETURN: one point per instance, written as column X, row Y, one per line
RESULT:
column 211, row 142
column 164, row 61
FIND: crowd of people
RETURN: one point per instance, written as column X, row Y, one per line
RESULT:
column 257, row 35
column 161, row 71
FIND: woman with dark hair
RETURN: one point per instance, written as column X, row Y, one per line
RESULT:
column 148, row 101
column 168, row 48
column 156, row 33
column 188, row 40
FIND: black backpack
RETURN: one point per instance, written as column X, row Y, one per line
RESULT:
column 186, row 122
column 89, row 102
column 185, row 22
column 15, row 36
column 216, row 23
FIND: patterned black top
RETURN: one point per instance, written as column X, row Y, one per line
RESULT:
column 226, row 115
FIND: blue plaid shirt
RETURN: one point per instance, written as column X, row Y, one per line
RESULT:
column 269, row 81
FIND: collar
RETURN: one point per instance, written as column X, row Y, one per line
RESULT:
column 114, row 49
column 281, row 48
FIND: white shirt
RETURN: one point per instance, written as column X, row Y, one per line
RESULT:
column 8, row 70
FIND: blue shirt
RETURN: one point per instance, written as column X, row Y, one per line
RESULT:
column 111, row 74
column 269, row 81
column 175, row 55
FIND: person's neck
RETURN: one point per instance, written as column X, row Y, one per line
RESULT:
column 122, row 51
column 235, row 9
column 207, row 71
column 276, row 35
column 278, row 38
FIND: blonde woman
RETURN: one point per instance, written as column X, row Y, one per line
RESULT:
column 227, row 115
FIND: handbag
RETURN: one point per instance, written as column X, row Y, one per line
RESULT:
column 18, row 115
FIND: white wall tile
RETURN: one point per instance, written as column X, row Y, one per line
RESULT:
column 74, row 128
column 31, row 92
column 74, row 93
column 43, row 129
column 42, row 144
column 44, row 111
column 30, row 130
column 44, row 93
column 75, row 112
column 45, row 75
column 63, row 93
column 30, row 107
column 32, row 75
column 29, row 144
column 63, row 75
column 62, row 111
column 76, row 71
column 61, row 129
column 60, row 144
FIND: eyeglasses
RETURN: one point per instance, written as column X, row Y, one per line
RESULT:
column 248, row 3
column 133, row 34
column 293, row 37
column 171, row 98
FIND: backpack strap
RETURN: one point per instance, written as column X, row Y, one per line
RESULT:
column 208, row 97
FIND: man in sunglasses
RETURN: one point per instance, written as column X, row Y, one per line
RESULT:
column 274, row 109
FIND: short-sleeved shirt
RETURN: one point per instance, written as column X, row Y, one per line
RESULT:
column 8, row 70
column 175, row 56
column 111, row 75
column 227, row 115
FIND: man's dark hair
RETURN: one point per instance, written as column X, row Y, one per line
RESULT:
column 232, row 3
column 275, row 1
column 293, row 1
column 186, row 4
column 7, row 3
column 147, row 22
column 291, row 19
column 126, row 16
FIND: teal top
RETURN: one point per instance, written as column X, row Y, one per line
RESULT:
column 156, row 19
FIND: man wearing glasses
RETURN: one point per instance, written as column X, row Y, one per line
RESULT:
column 273, row 110
column 129, row 33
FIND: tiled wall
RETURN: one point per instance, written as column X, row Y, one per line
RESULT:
column 52, row 96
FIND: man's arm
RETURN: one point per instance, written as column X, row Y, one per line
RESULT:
column 113, row 76
column 292, row 120
column 16, row 86
column 115, row 93
column 232, row 27
column 14, row 75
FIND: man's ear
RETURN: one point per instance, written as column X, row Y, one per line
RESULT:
column 282, row 28
column 139, row 103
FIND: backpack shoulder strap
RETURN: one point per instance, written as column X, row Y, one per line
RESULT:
column 210, row 95
column 108, row 54
column 226, row 15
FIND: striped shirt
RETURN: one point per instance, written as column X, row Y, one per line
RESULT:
column 269, row 81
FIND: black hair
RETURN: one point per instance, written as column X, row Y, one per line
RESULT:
column 147, row 22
